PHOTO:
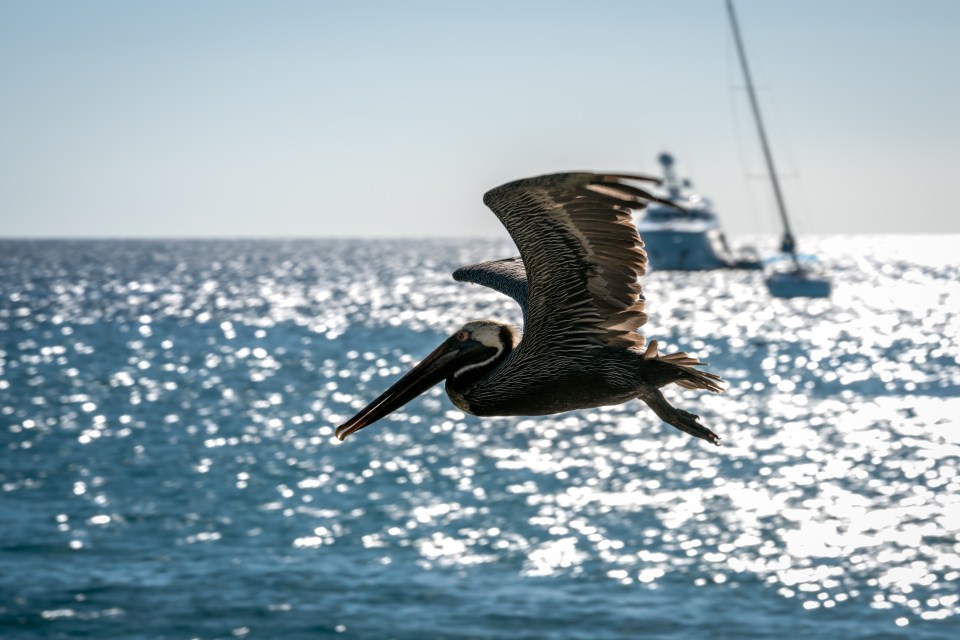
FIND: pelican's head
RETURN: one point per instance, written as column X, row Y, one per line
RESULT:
column 474, row 346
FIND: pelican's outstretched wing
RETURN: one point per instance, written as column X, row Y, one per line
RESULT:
column 582, row 255
column 506, row 276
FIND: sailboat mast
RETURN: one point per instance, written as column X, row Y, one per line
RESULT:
column 788, row 233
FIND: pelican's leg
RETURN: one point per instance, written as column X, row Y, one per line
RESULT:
column 676, row 417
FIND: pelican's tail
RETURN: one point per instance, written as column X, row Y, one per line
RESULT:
column 691, row 378
column 660, row 370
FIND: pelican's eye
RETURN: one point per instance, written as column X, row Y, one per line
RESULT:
column 462, row 335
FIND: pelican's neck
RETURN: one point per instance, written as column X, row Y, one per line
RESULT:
column 463, row 379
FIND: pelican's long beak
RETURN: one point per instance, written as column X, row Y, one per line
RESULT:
column 435, row 367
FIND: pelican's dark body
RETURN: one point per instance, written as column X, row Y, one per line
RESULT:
column 610, row 377
column 577, row 282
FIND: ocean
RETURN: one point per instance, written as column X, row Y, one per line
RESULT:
column 168, row 467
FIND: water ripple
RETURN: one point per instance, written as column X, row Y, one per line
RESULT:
column 167, row 417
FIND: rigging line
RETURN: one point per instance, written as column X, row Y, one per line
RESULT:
column 793, row 176
column 760, row 223
column 796, row 175
column 755, row 107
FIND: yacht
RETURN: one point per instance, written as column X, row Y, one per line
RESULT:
column 688, row 238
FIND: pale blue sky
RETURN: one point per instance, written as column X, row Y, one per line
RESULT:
column 200, row 119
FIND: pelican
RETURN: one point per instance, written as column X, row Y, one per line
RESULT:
column 577, row 283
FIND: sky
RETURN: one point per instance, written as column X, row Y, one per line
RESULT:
column 182, row 119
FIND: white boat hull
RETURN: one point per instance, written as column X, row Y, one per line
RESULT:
column 674, row 250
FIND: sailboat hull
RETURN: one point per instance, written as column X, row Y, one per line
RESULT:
column 794, row 284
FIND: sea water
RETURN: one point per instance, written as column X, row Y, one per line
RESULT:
column 168, row 467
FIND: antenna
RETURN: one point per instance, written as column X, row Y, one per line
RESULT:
column 669, row 177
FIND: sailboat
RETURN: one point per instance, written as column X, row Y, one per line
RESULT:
column 790, row 277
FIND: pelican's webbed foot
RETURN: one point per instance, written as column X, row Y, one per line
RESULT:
column 683, row 420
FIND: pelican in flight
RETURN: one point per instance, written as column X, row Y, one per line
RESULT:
column 576, row 281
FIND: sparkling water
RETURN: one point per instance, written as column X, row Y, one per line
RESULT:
column 168, row 467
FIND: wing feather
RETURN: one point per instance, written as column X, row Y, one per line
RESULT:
column 581, row 257
column 506, row 276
